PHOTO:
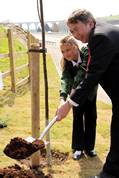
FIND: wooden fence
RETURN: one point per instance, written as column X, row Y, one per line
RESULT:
column 27, row 39
column 33, row 52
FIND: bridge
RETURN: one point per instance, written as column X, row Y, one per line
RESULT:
column 51, row 26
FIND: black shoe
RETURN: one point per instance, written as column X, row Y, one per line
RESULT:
column 91, row 153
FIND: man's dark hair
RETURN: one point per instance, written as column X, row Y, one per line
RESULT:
column 80, row 15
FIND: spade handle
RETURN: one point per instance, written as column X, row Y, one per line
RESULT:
column 51, row 123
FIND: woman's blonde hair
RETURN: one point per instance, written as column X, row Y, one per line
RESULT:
column 69, row 39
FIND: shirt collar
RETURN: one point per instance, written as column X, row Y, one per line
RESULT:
column 76, row 63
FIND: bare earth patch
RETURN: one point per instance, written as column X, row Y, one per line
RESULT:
column 19, row 170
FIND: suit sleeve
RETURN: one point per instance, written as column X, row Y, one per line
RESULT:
column 101, row 56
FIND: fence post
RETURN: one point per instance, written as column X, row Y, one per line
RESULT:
column 35, row 98
column 12, row 60
column 29, row 46
column 31, row 40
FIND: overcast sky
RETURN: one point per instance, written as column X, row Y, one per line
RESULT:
column 26, row 10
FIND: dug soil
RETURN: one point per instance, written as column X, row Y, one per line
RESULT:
column 18, row 170
column 19, row 148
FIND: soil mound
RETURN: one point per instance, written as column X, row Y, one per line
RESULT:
column 19, row 172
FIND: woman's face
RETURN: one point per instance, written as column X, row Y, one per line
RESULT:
column 69, row 51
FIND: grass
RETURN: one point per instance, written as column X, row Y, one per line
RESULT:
column 18, row 118
column 108, row 18
column 5, row 62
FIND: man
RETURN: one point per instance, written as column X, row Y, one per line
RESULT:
column 103, row 43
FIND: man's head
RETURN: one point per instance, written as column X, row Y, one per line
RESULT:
column 80, row 23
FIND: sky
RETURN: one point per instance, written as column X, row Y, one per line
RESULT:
column 26, row 10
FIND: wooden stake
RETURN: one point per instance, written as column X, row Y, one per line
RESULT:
column 35, row 99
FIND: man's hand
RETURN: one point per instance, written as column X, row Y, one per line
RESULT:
column 62, row 101
column 63, row 110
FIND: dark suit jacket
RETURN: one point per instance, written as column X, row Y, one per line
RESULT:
column 104, row 66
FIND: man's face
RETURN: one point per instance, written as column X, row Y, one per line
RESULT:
column 80, row 30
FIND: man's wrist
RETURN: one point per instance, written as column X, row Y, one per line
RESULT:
column 72, row 103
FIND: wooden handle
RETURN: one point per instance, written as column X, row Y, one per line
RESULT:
column 51, row 123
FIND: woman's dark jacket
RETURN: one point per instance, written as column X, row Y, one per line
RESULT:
column 73, row 75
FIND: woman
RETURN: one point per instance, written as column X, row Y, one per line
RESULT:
column 74, row 65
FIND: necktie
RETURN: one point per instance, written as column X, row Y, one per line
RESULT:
column 89, row 57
